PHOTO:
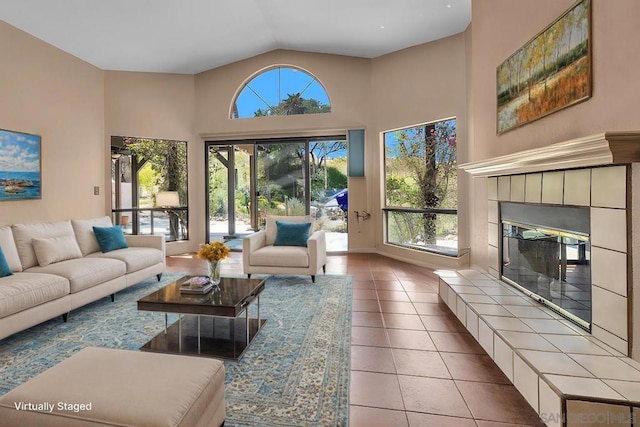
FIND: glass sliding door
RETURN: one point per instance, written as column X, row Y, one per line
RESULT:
column 243, row 205
column 248, row 180
column 282, row 178
column 229, row 190
column 329, row 195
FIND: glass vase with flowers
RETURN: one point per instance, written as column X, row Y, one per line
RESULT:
column 214, row 253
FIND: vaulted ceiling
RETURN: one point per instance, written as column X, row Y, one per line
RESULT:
column 191, row 36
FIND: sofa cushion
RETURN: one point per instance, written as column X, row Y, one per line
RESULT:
column 271, row 227
column 5, row 270
column 110, row 238
column 83, row 228
column 25, row 290
column 8, row 246
column 135, row 258
column 25, row 233
column 292, row 233
column 85, row 272
column 55, row 249
column 125, row 388
column 281, row 256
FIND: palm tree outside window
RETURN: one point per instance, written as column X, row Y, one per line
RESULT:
column 281, row 91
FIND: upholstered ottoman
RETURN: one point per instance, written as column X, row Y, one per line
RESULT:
column 99, row 386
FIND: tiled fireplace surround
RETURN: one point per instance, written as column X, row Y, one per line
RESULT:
column 568, row 375
column 603, row 189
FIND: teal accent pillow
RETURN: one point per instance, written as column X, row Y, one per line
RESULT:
column 4, row 265
column 292, row 233
column 110, row 238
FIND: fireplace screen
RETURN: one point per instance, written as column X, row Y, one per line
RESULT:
column 551, row 265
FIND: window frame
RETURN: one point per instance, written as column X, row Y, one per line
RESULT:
column 233, row 110
column 178, row 216
column 388, row 209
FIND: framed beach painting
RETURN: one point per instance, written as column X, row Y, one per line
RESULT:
column 20, row 161
column 550, row 72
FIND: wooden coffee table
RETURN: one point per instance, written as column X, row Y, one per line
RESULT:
column 208, row 325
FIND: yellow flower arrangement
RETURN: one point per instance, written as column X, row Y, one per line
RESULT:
column 214, row 251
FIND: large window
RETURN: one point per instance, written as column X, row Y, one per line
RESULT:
column 149, row 186
column 281, row 91
column 421, row 187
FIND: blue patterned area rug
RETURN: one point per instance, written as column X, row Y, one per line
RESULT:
column 295, row 373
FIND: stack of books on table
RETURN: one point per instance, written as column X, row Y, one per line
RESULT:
column 196, row 285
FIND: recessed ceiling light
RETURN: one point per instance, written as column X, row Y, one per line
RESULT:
column 449, row 6
column 382, row 27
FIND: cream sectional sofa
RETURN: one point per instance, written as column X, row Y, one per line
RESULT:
column 59, row 266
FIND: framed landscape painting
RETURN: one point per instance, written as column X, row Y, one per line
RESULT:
column 19, row 166
column 549, row 73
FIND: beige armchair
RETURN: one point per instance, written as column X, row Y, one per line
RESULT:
column 260, row 256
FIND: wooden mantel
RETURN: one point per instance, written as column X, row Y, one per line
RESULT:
column 609, row 148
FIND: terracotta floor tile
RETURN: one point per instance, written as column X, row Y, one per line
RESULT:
column 363, row 416
column 426, row 308
column 430, row 297
column 361, row 318
column 414, row 273
column 376, row 390
column 363, row 284
column 370, row 305
column 365, row 294
column 456, row 342
column 372, row 337
column 474, row 367
column 497, row 402
column 392, row 296
column 442, row 349
column 420, row 363
column 442, row 398
column 409, row 279
column 372, row 359
column 443, row 324
column 362, row 274
column 389, row 285
column 413, row 340
column 416, row 286
column 190, row 265
column 417, row 419
column 403, row 321
column 397, row 307
column 383, row 275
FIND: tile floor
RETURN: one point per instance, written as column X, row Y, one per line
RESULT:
column 412, row 362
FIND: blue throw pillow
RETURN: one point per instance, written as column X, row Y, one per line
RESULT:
column 292, row 233
column 5, row 270
column 110, row 238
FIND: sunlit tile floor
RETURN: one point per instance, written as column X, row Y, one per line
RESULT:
column 412, row 362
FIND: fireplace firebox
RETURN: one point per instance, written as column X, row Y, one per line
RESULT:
column 546, row 254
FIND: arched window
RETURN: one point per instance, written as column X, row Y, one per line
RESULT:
column 281, row 91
